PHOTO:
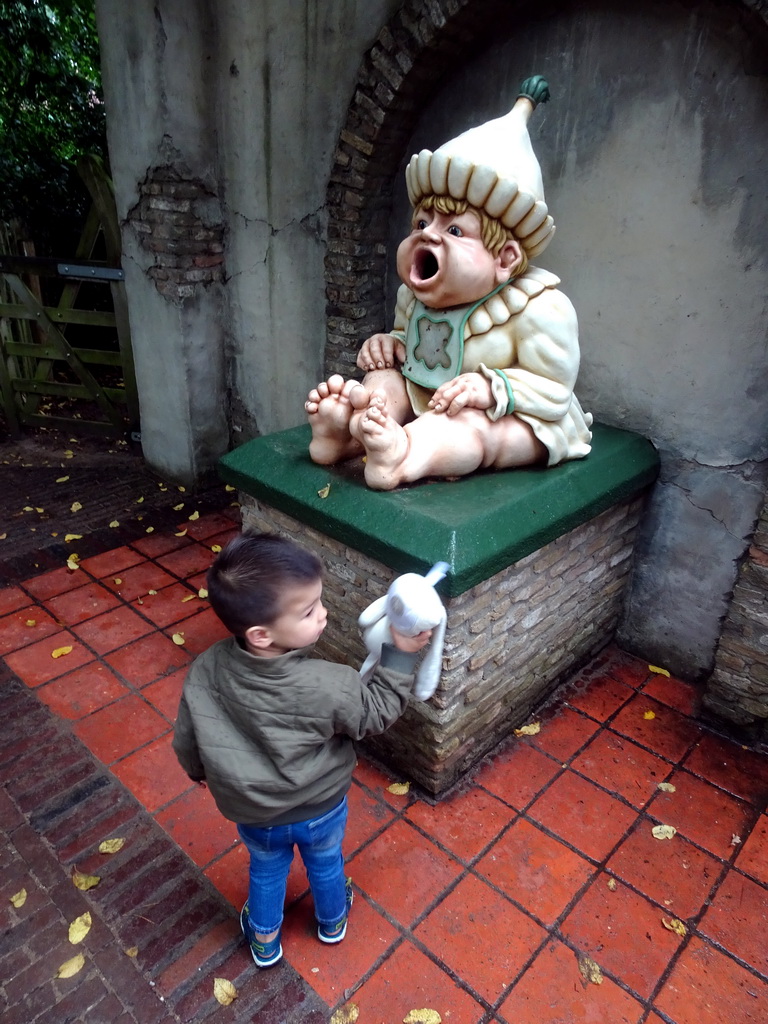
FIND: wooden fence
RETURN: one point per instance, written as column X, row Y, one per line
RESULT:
column 47, row 370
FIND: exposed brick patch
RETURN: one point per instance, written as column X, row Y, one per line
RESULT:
column 737, row 690
column 178, row 221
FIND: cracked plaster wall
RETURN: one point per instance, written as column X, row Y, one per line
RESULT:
column 654, row 155
column 243, row 99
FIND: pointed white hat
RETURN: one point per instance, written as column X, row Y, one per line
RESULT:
column 494, row 168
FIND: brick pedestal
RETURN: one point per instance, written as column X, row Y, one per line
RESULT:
column 539, row 560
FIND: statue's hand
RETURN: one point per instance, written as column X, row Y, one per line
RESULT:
column 380, row 352
column 467, row 391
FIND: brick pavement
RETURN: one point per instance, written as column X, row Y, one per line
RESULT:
column 544, row 857
column 57, row 803
column 43, row 475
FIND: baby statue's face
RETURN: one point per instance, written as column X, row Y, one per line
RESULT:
column 445, row 263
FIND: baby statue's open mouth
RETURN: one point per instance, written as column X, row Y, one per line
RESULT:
column 425, row 264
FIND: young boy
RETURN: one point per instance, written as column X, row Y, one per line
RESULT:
column 271, row 730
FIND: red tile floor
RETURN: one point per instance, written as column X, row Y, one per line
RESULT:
column 489, row 905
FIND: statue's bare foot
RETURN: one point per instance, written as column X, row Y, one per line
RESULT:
column 330, row 407
column 386, row 445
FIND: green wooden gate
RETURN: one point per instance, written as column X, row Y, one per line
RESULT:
column 40, row 357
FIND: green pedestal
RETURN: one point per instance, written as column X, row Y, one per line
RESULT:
column 479, row 525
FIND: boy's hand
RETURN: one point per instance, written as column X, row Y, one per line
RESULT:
column 410, row 644
column 468, row 391
column 379, row 352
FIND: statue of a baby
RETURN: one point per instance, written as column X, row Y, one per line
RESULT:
column 479, row 369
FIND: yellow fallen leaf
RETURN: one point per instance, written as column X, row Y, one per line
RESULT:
column 73, row 562
column 663, row 831
column 69, row 537
column 182, row 489
column 31, row 622
column 224, row 991
column 179, row 507
column 39, row 509
column 675, row 925
column 117, row 580
column 666, row 787
column 324, row 491
column 68, row 454
column 150, row 529
column 75, row 506
column 202, row 593
column 181, row 533
column 529, row 730
column 648, row 715
column 189, row 597
column 139, row 501
column 71, row 967
column 19, row 898
column 115, row 523
column 612, row 884
column 399, row 788
column 79, row 928
column 27, row 508
column 132, row 952
column 659, row 671
column 422, row 1017
column 152, row 592
column 54, row 533
column 215, row 548
column 178, row 639
column 346, row 1014
column 61, row 652
column 590, row 971
column 111, row 845
column 3, row 536
column 229, row 487
column 195, row 515
column 84, row 882
column 62, row 479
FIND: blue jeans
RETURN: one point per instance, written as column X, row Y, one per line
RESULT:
column 271, row 851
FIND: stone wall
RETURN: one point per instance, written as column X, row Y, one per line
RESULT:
column 510, row 640
column 737, row 691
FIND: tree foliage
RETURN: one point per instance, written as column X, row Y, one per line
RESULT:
column 51, row 112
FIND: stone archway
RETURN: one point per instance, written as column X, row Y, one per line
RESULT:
column 402, row 69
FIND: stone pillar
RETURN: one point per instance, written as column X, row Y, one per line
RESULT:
column 737, row 690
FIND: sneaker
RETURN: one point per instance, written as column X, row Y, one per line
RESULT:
column 336, row 932
column 265, row 954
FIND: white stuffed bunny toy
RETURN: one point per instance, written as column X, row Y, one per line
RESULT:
column 411, row 605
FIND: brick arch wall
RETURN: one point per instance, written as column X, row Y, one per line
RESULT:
column 403, row 68
column 397, row 75
column 400, row 71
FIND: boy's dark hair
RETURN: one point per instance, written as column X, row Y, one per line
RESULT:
column 247, row 581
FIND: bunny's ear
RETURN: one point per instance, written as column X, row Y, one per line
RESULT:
column 428, row 676
column 372, row 613
column 436, row 573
